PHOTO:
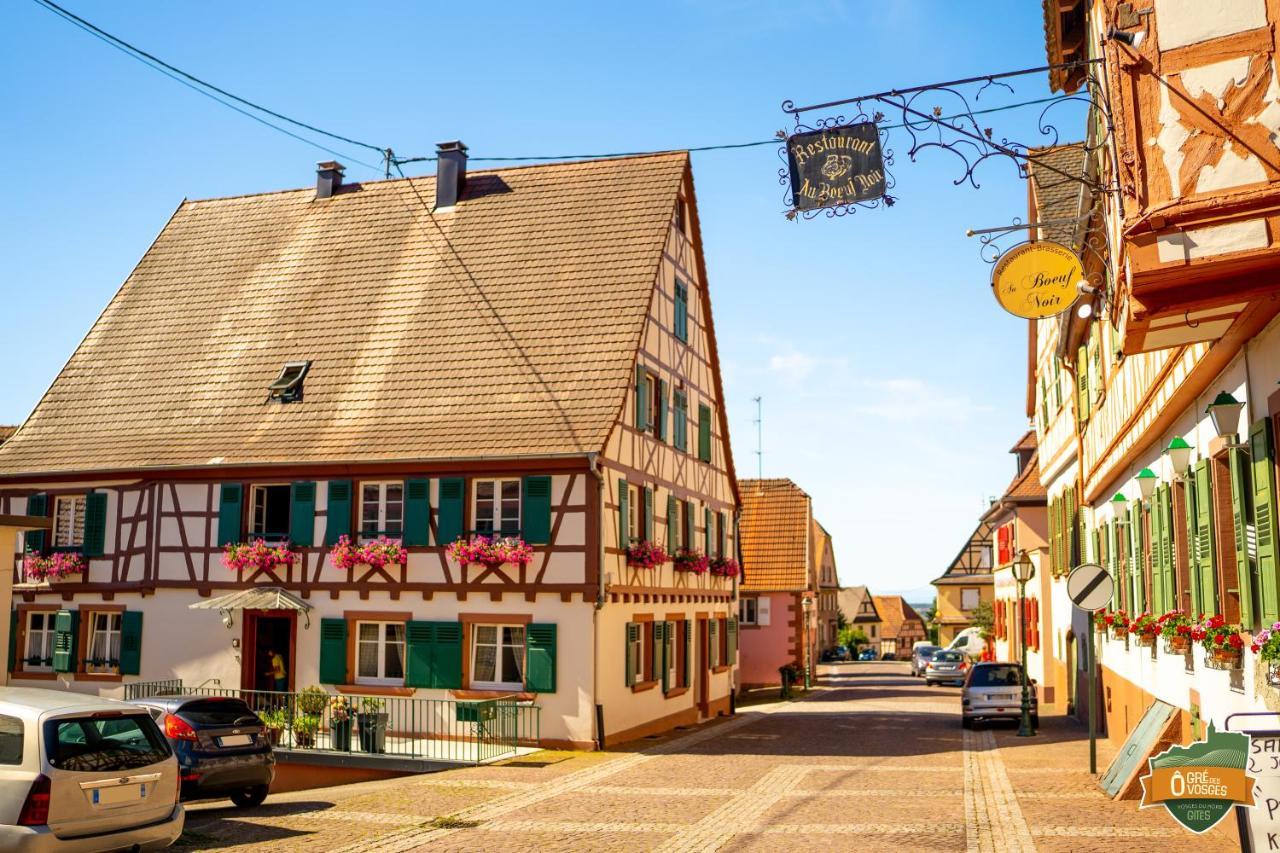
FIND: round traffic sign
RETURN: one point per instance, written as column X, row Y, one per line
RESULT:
column 1090, row 587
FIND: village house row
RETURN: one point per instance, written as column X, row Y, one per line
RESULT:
column 526, row 353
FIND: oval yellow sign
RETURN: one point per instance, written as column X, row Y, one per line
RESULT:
column 1035, row 280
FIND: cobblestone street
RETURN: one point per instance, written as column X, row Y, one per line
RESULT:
column 873, row 759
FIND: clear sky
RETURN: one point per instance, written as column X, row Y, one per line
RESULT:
column 893, row 384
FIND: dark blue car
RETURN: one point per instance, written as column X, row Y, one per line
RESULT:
column 222, row 746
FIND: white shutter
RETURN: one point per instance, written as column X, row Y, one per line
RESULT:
column 762, row 610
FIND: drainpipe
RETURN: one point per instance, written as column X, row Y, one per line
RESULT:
column 593, row 464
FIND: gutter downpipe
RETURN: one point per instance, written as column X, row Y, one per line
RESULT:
column 593, row 464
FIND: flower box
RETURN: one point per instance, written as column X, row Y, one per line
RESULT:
column 690, row 560
column 377, row 554
column 58, row 566
column 1228, row 657
column 646, row 555
column 258, row 556
column 484, row 551
column 1179, row 644
column 1118, row 632
column 1224, row 643
column 724, row 567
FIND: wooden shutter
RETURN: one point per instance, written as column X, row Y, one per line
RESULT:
column 66, row 627
column 95, row 524
column 337, row 513
column 713, row 642
column 673, row 525
column 690, row 526
column 1135, row 557
column 37, row 505
column 1240, row 524
column 720, row 540
column 13, row 640
column 1193, row 574
column 688, row 652
column 449, row 527
column 660, row 653
column 1157, row 552
column 535, row 509
column 1262, row 456
column 419, row 640
column 417, row 512
column 733, row 641
column 230, row 515
column 333, row 651
column 704, row 433
column 680, row 421
column 446, row 658
column 1082, row 383
column 706, row 532
column 648, row 514
column 632, row 637
column 540, row 656
column 131, row 642
column 660, row 428
column 642, row 399
column 1204, row 537
column 681, row 319
column 302, row 513
column 624, row 515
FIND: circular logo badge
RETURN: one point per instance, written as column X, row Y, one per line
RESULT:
column 1035, row 280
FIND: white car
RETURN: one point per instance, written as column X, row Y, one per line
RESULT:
column 80, row 774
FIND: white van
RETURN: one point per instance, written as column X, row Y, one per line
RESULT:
column 79, row 773
column 970, row 642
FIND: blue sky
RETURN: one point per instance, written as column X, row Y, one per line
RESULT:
column 893, row 384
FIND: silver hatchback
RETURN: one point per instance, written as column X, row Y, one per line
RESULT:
column 79, row 773
column 994, row 691
column 946, row 667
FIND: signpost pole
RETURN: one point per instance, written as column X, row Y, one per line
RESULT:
column 1093, row 699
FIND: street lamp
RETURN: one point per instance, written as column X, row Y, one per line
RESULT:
column 1147, row 480
column 1023, row 571
column 1179, row 455
column 1224, row 411
column 806, row 604
column 1119, row 503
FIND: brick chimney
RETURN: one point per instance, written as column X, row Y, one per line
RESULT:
column 451, row 173
column 328, row 178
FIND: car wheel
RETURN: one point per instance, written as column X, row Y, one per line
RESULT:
column 247, row 798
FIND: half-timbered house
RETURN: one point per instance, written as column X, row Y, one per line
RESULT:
column 525, row 352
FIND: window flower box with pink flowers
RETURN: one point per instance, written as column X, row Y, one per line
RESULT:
column 646, row 555
column 258, row 556
column 376, row 554
column 59, row 565
column 724, row 567
column 498, row 551
column 690, row 560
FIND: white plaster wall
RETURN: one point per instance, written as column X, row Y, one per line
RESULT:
column 1183, row 22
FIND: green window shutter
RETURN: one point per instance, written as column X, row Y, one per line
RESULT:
column 13, row 639
column 540, row 654
column 420, row 639
column 131, row 642
column 1193, row 574
column 704, row 433
column 417, row 512
column 688, row 652
column 660, row 430
column 713, row 641
column 535, row 509
column 66, row 625
column 681, row 325
column 733, row 640
column 446, row 657
column 449, row 527
column 302, row 513
column 648, row 514
column 624, row 515
column 1204, row 537
column 95, row 524
column 631, row 636
column 229, row 513
column 37, row 505
column 690, row 525
column 1157, row 552
column 1082, row 383
column 706, row 531
column 673, row 525
column 720, row 543
column 660, row 653
column 337, row 514
column 333, row 651
column 1262, row 456
column 1136, row 578
column 680, row 421
column 642, row 399
column 1240, row 510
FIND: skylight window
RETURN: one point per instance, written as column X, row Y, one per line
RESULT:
column 287, row 387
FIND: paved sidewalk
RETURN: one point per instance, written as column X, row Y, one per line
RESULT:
column 875, row 761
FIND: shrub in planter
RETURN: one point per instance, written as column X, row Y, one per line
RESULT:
column 340, row 723
column 305, row 727
column 1146, row 628
column 1175, row 627
column 373, row 724
column 312, row 700
column 274, row 720
column 1224, row 642
column 646, row 555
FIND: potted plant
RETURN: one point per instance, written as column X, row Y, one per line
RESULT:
column 689, row 560
column 257, row 556
column 1223, row 642
column 1175, row 627
column 1146, row 628
column 305, row 727
column 274, row 720
column 724, row 567
column 372, row 720
column 340, row 724
column 312, row 700
column 60, row 565
column 646, row 555
column 377, row 554
column 1266, row 645
column 490, row 552
column 1118, row 622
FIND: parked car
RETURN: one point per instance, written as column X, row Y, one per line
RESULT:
column 222, row 746
column 867, row 654
column 836, row 653
column 994, row 691
column 920, row 656
column 947, row 667
column 79, row 773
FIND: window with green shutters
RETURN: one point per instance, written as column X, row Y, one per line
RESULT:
column 1082, row 384
column 690, row 525
column 704, row 433
column 732, row 631
column 642, row 399
column 131, row 642
column 1262, row 456
column 333, row 651
column 230, row 513
column 624, row 514
column 337, row 513
column 713, row 642
column 302, row 513
column 540, row 655
column 95, row 524
column 688, row 653
column 707, row 532
column 66, row 628
column 634, row 654
column 1241, row 520
column 535, row 509
column 1205, row 562
column 37, row 505
column 673, row 524
column 660, row 410
column 681, row 325
column 1137, row 581
column 1189, row 542
column 680, row 421
column 453, row 491
column 433, row 655
column 416, row 512
column 648, row 514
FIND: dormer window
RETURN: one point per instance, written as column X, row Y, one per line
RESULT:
column 287, row 387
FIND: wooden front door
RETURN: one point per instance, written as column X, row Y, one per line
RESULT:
column 264, row 632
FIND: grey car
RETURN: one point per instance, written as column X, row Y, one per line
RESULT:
column 947, row 667
column 993, row 691
column 79, row 774
column 920, row 657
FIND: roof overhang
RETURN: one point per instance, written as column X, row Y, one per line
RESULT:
column 261, row 598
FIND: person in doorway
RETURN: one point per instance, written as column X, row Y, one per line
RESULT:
column 277, row 672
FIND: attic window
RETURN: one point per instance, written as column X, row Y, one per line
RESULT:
column 287, row 387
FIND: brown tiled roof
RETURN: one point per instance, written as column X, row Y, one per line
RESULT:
column 894, row 612
column 1056, row 195
column 507, row 327
column 1027, row 442
column 6, row 432
column 774, row 527
column 1026, row 487
column 851, row 598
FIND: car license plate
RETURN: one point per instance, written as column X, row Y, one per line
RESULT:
column 118, row 794
column 235, row 740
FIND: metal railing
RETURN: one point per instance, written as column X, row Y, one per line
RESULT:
column 457, row 731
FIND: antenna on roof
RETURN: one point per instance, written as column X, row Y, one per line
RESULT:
column 759, row 440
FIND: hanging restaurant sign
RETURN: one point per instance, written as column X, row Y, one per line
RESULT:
column 836, row 165
column 1035, row 280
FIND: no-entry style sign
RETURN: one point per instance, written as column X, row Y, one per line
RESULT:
column 1090, row 587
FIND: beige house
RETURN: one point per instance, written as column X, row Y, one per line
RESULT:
column 859, row 608
column 524, row 353
column 965, row 584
